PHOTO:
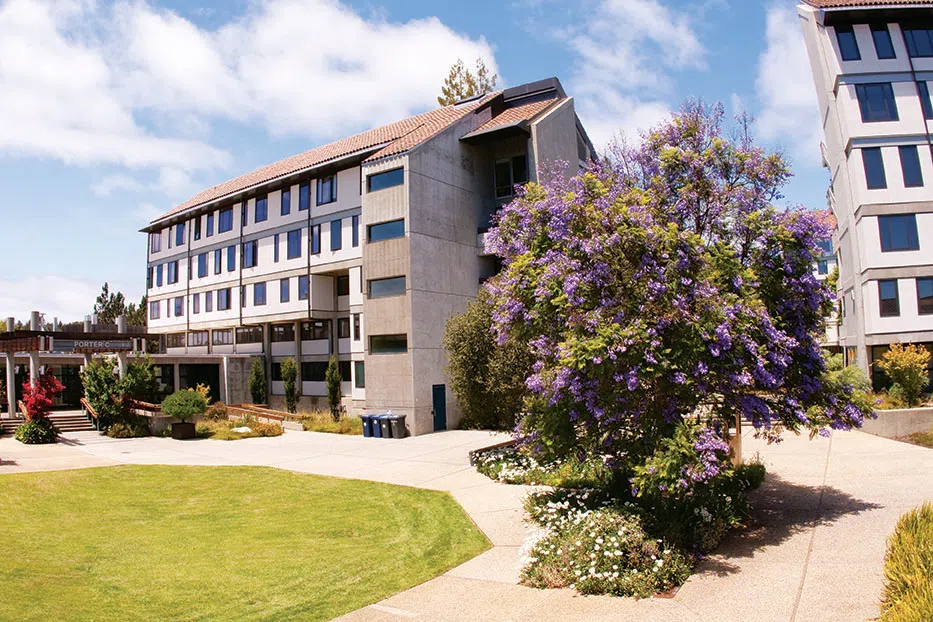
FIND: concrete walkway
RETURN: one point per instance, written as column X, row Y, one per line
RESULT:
column 814, row 552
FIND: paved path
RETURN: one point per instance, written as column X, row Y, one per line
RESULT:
column 814, row 553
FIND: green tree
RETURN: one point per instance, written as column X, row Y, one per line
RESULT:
column 111, row 396
column 184, row 404
column 332, row 380
column 257, row 382
column 109, row 305
column 488, row 379
column 462, row 83
column 908, row 368
column 290, row 384
column 136, row 315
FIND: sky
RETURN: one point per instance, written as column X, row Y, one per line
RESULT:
column 112, row 113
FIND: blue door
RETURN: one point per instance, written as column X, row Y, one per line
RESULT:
column 439, row 397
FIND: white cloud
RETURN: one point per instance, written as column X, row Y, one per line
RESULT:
column 67, row 298
column 789, row 113
column 119, row 181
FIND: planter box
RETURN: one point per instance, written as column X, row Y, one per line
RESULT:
column 899, row 423
column 182, row 431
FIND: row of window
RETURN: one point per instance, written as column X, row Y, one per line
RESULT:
column 313, row 330
column 877, row 103
column 326, row 193
column 919, row 42
column 889, row 300
column 875, row 176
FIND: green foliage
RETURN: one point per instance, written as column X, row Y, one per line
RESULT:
column 511, row 465
column 223, row 429
column 908, row 569
column 461, row 83
column 257, row 382
column 184, row 405
column 135, row 427
column 139, row 382
column 290, row 384
column 37, row 432
column 216, row 412
column 488, row 379
column 907, row 366
column 332, row 380
column 321, row 421
column 111, row 397
column 109, row 305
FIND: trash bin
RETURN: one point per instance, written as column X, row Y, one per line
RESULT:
column 367, row 425
column 374, row 423
column 385, row 425
column 398, row 426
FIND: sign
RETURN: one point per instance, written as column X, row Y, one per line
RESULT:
column 92, row 345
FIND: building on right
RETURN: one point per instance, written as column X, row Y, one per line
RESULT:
column 872, row 63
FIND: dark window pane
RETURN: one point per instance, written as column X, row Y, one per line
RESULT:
column 276, row 372
column 283, row 333
column 882, row 37
column 327, row 190
column 197, row 228
column 315, row 330
column 874, row 168
column 848, row 46
column 925, row 104
column 259, row 294
column 223, row 337
column 503, row 179
column 910, row 165
column 275, row 248
column 304, row 196
column 197, row 338
column 388, row 179
column 294, row 244
column 925, row 296
column 388, row 344
column 887, row 293
column 359, row 376
column 210, row 224
column 179, row 234
column 225, row 220
column 202, row 265
column 315, row 240
column 303, row 287
column 344, row 368
column 822, row 266
column 286, row 202
column 898, row 233
column 386, row 230
column 355, row 227
column 284, row 290
column 343, row 285
column 262, row 209
column 876, row 102
column 231, row 258
column 208, row 301
column 380, row 288
column 313, row 371
column 336, row 237
column 919, row 42
column 519, row 170
column 249, row 334
column 343, row 328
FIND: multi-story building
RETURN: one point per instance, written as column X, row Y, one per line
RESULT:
column 823, row 268
column 872, row 63
column 361, row 248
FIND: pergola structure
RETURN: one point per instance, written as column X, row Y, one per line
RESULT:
column 34, row 342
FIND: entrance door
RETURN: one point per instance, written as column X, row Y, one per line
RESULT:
column 439, row 398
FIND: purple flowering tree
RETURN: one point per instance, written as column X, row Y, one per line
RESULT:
column 662, row 287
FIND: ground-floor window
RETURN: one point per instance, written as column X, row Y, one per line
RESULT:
column 359, row 375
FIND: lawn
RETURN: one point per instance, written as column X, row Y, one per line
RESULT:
column 245, row 543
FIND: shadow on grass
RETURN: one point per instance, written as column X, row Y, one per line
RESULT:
column 781, row 510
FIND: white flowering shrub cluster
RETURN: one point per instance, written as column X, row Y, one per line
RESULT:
column 588, row 543
column 512, row 465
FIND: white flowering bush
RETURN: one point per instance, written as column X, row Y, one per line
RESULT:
column 513, row 465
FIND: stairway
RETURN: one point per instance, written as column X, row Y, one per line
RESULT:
column 64, row 420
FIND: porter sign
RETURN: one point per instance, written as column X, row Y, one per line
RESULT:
column 93, row 345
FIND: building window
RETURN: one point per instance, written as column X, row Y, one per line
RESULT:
column 275, row 248
column 315, row 240
column 343, row 328
column 222, row 337
column 883, row 45
column 179, row 234
column 284, row 294
column 294, row 244
column 243, row 297
column 197, row 338
column 249, row 334
column 218, row 261
column 286, row 201
column 327, row 190
column 155, row 242
column 244, row 214
column 154, row 309
column 887, row 294
column 343, row 368
column 179, row 306
column 313, row 371
column 382, row 288
column 172, row 272
column 283, row 333
column 386, row 230
column 355, row 228
column 510, row 172
column 250, row 254
column 874, row 168
column 925, row 296
column 388, row 344
column 848, row 45
column 210, row 224
column 924, row 89
column 175, row 340
column 304, row 196
column 276, row 372
column 898, row 233
column 197, row 228
column 231, row 258
column 386, row 179
column 303, row 287
column 195, row 303
column 259, row 294
column 208, row 302
column 315, row 330
column 336, row 240
column 822, row 267
column 919, row 41
column 149, row 277
column 910, row 166
column 202, row 265
column 876, row 102
column 225, row 220
column 159, row 275
column 223, row 299
column 343, row 285
column 262, row 209
column 356, row 327
column 359, row 374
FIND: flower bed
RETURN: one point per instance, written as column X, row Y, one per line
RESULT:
column 225, row 430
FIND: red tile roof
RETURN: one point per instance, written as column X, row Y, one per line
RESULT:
column 846, row 4
column 511, row 116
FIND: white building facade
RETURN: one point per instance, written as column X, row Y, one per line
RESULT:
column 872, row 65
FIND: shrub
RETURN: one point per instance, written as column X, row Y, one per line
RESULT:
column 908, row 568
column 322, row 421
column 332, row 380
column 290, row 384
column 184, row 405
column 129, row 429
column 223, row 430
column 38, row 398
column 204, row 390
column 216, row 412
column 906, row 366
column 512, row 465
column 257, row 382
column 37, row 432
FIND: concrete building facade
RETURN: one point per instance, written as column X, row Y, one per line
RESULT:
column 361, row 249
column 872, row 64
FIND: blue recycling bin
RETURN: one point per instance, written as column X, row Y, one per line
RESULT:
column 377, row 429
column 367, row 425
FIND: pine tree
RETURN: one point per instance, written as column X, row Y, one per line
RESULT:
column 462, row 83
column 332, row 380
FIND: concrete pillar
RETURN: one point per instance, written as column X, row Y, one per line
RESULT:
column 121, row 364
column 176, row 376
column 34, row 320
column 33, row 368
column 87, row 323
column 267, row 358
column 121, row 324
column 11, row 384
column 225, row 367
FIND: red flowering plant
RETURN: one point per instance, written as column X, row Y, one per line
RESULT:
column 38, row 400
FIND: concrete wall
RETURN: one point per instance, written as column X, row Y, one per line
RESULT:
column 900, row 423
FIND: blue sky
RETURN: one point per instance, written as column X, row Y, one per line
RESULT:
column 113, row 112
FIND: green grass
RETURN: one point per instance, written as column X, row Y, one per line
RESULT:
column 196, row 543
column 922, row 438
column 908, row 569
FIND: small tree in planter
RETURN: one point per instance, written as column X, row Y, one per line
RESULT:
column 38, row 400
column 332, row 380
column 184, row 405
column 290, row 384
column 906, row 366
column 257, row 382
